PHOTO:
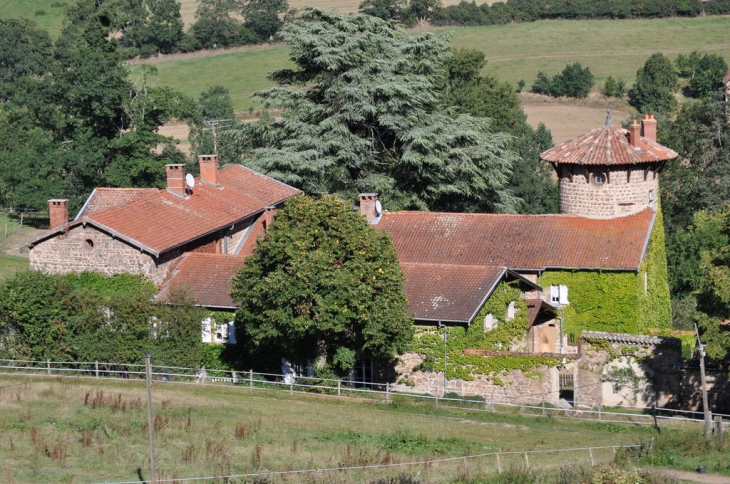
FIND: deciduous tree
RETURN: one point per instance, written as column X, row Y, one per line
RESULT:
column 656, row 83
column 322, row 284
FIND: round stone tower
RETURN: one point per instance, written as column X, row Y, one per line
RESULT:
column 610, row 171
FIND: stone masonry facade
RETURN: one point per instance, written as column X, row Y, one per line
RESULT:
column 626, row 189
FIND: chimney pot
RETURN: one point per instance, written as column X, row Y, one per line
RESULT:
column 58, row 212
column 367, row 205
column 634, row 133
column 649, row 128
column 209, row 168
column 176, row 178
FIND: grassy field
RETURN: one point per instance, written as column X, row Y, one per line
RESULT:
column 11, row 233
column 513, row 52
column 95, row 431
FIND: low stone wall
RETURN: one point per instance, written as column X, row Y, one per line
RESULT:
column 516, row 387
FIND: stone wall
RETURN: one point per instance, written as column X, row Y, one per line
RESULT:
column 626, row 190
column 517, row 387
column 88, row 249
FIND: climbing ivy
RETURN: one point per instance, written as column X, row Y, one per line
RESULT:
column 616, row 301
column 428, row 341
column 654, row 310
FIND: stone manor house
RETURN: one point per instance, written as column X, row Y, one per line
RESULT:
column 195, row 234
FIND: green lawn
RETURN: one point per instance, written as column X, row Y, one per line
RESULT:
column 514, row 52
column 9, row 265
column 47, row 14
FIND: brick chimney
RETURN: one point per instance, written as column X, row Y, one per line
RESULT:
column 269, row 216
column 176, row 178
column 58, row 212
column 367, row 206
column 209, row 168
column 649, row 124
column 634, row 133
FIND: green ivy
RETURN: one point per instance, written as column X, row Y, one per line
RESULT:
column 654, row 310
column 428, row 342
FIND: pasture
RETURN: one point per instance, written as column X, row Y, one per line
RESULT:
column 72, row 430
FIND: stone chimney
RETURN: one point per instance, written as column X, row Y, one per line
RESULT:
column 176, row 178
column 269, row 216
column 209, row 168
column 368, row 202
column 649, row 124
column 634, row 133
column 58, row 212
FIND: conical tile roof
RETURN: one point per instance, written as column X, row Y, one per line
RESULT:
column 607, row 145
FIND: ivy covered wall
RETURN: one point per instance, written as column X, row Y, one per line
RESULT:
column 506, row 335
column 617, row 301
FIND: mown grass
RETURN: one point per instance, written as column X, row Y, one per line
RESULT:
column 47, row 14
column 513, row 52
column 10, row 264
column 95, row 431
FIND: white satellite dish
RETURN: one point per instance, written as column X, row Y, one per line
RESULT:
column 378, row 207
column 190, row 180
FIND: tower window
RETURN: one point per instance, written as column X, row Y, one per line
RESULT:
column 599, row 178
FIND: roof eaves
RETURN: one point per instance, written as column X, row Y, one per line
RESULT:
column 487, row 295
column 86, row 203
column 648, row 237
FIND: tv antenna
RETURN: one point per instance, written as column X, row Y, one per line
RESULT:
column 213, row 125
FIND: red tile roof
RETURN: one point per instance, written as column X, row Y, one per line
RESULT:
column 607, row 145
column 448, row 292
column 206, row 277
column 158, row 220
column 519, row 242
column 168, row 220
column 105, row 199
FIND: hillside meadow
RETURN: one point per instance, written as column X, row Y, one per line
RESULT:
column 87, row 430
column 513, row 52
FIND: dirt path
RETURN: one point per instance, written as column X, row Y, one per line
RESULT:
column 691, row 476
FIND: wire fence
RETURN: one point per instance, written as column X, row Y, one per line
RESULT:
column 461, row 466
column 529, row 405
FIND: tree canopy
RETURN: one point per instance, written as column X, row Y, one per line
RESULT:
column 656, row 83
column 372, row 119
column 323, row 284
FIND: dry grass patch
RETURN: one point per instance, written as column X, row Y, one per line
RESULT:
column 96, row 431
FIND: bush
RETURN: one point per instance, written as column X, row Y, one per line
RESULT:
column 573, row 81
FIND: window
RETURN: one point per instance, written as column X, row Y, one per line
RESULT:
column 488, row 322
column 88, row 244
column 510, row 311
column 559, row 295
column 599, row 179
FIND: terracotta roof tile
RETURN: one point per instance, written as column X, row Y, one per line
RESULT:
column 520, row 242
column 206, row 277
column 257, row 186
column 167, row 220
column 105, row 199
column 448, row 292
column 635, row 339
column 607, row 145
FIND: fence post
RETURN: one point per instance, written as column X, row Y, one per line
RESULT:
column 250, row 379
column 543, row 406
column 600, row 412
column 718, row 430
column 339, row 388
column 291, row 386
column 48, row 367
column 590, row 453
column 96, row 368
column 499, row 465
column 527, row 461
column 387, row 392
column 234, row 377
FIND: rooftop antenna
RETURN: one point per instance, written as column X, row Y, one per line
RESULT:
column 189, row 181
column 213, row 125
column 608, row 114
column 378, row 207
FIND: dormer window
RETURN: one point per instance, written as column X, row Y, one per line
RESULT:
column 599, row 179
